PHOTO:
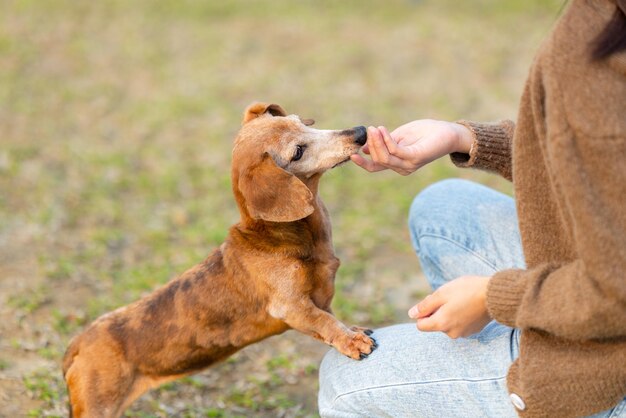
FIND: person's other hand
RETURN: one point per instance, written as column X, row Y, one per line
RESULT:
column 458, row 308
column 412, row 145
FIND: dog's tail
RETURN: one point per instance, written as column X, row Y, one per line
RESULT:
column 70, row 353
column 68, row 360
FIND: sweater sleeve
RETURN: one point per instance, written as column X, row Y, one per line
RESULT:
column 491, row 150
column 584, row 298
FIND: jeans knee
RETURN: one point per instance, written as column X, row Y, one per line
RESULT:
column 438, row 196
column 334, row 398
column 327, row 384
column 433, row 205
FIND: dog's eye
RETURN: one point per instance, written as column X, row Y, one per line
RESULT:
column 299, row 152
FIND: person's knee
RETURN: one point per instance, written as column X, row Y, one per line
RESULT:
column 349, row 388
column 344, row 407
column 338, row 388
column 433, row 208
column 437, row 197
column 329, row 384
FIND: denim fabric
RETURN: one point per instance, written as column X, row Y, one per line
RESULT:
column 457, row 228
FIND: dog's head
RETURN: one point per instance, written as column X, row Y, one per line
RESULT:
column 278, row 157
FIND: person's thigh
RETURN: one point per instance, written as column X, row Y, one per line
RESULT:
column 417, row 374
column 463, row 228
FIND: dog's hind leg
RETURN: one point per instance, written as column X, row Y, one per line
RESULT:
column 98, row 386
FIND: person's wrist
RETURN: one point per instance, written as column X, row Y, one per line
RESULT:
column 483, row 295
column 464, row 138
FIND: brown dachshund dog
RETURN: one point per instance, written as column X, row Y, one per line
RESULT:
column 275, row 271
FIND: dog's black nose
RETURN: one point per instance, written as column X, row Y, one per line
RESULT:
column 360, row 136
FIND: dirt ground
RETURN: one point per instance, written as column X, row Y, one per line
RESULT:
column 116, row 122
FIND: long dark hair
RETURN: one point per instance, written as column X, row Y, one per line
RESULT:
column 612, row 39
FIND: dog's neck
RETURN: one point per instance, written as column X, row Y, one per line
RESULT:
column 312, row 182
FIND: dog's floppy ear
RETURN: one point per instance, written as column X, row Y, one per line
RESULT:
column 272, row 194
column 258, row 109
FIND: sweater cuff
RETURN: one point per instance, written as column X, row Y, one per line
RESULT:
column 491, row 149
column 504, row 296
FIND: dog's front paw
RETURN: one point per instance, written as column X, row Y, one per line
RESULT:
column 364, row 330
column 357, row 345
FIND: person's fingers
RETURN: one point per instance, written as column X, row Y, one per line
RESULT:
column 380, row 155
column 378, row 149
column 401, row 171
column 397, row 165
column 392, row 145
column 366, row 149
column 366, row 164
column 430, row 324
column 414, row 152
column 430, row 304
column 372, row 135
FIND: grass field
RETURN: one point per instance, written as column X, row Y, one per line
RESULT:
column 116, row 124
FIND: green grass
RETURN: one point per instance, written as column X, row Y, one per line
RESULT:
column 116, row 125
column 46, row 386
column 30, row 302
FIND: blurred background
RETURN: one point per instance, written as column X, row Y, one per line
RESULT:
column 116, row 125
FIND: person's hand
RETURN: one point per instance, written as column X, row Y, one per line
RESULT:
column 412, row 145
column 458, row 308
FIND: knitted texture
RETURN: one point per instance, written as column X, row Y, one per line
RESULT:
column 491, row 150
column 567, row 158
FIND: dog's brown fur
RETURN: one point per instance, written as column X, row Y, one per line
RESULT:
column 275, row 271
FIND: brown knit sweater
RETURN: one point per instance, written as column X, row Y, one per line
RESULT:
column 567, row 159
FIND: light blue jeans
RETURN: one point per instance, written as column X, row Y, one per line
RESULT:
column 457, row 228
